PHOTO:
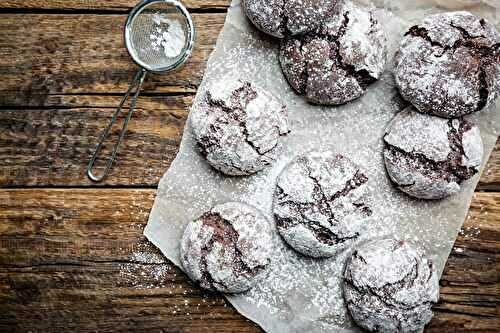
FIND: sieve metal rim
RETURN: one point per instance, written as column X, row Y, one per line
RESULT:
column 191, row 35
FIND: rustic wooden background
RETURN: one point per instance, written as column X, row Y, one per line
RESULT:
column 72, row 254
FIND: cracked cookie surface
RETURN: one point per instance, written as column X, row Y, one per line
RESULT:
column 335, row 64
column 239, row 127
column 287, row 17
column 429, row 157
column 227, row 248
column 389, row 286
column 449, row 66
column 320, row 203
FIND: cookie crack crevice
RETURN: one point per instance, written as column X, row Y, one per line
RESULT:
column 304, row 76
column 227, row 238
column 351, row 185
column 283, row 26
column 484, row 89
column 421, row 32
column 455, row 138
column 483, row 52
column 362, row 76
column 322, row 233
column 386, row 291
column 465, row 34
column 242, row 97
column 445, row 169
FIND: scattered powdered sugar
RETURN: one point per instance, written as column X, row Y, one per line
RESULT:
column 168, row 35
column 147, row 269
column 298, row 293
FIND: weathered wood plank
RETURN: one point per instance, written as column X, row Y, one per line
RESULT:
column 490, row 179
column 104, row 298
column 42, row 55
column 107, row 4
column 51, row 146
column 76, row 259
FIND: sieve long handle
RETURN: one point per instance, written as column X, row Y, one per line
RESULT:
column 136, row 84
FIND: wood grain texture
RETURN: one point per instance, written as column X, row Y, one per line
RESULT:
column 99, row 4
column 42, row 55
column 51, row 146
column 76, row 259
column 490, row 179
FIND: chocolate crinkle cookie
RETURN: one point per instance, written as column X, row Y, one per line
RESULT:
column 449, row 66
column 337, row 62
column 320, row 203
column 238, row 127
column 429, row 157
column 389, row 287
column 287, row 17
column 227, row 248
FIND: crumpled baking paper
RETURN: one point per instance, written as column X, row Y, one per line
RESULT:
column 301, row 294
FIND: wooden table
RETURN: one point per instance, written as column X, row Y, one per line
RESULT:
column 72, row 254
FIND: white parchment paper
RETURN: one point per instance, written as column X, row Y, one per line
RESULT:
column 301, row 294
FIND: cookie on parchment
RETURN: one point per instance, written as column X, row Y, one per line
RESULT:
column 429, row 157
column 227, row 248
column 279, row 18
column 239, row 127
column 390, row 287
column 336, row 63
column 320, row 203
column 449, row 65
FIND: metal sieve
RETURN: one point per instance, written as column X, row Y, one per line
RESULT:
column 159, row 36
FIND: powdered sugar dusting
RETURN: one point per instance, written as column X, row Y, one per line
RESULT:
column 227, row 248
column 335, row 63
column 301, row 294
column 239, row 126
column 279, row 17
column 473, row 148
column 448, row 65
column 168, row 35
column 390, row 287
column 414, row 132
column 363, row 43
column 320, row 203
column 430, row 157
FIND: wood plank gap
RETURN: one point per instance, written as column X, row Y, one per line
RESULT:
column 494, row 187
column 449, row 311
